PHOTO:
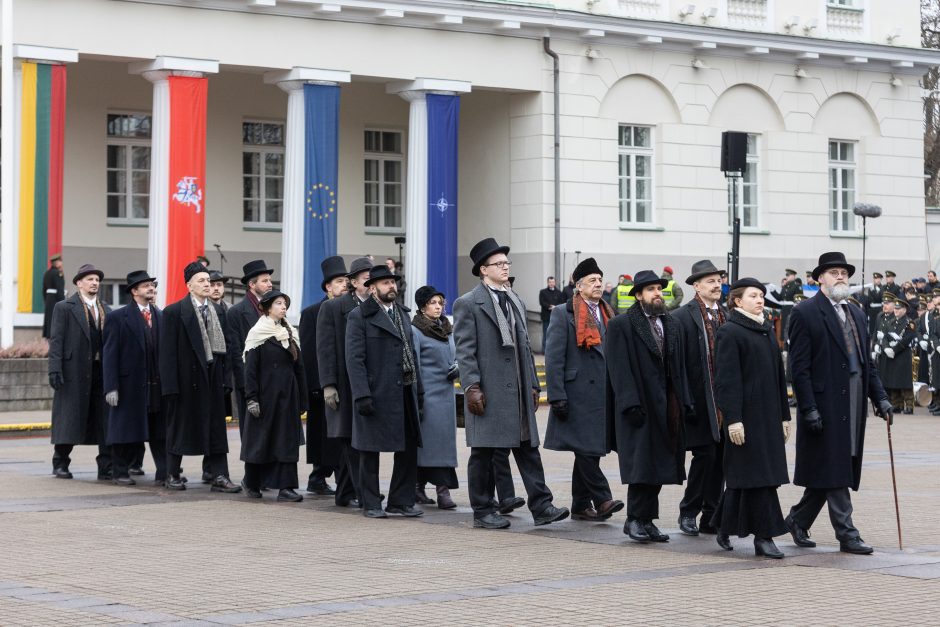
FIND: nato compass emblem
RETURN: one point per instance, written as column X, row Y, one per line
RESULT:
column 442, row 205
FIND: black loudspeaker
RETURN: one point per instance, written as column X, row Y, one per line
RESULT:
column 733, row 151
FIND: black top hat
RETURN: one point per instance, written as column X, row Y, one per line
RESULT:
column 377, row 273
column 136, row 278
column 585, row 268
column 483, row 250
column 832, row 260
column 332, row 267
column 749, row 282
column 361, row 264
column 700, row 269
column 643, row 278
column 215, row 276
column 85, row 270
column 424, row 295
column 253, row 269
column 269, row 297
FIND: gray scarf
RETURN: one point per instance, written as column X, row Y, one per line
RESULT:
column 213, row 340
column 506, row 326
column 407, row 359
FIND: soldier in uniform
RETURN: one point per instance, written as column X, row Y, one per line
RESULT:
column 895, row 358
column 922, row 341
column 872, row 297
column 890, row 285
column 791, row 286
column 53, row 290
column 933, row 326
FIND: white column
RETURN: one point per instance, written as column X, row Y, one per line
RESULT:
column 416, row 186
column 158, row 72
column 292, row 220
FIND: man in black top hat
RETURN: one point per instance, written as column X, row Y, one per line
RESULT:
column 699, row 321
column 501, row 390
column 322, row 452
column 334, row 380
column 649, row 403
column 53, row 291
column 75, row 350
column 131, row 367
column 832, row 378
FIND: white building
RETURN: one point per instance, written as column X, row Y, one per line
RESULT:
column 828, row 92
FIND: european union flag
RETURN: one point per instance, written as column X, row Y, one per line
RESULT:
column 321, row 181
column 443, row 113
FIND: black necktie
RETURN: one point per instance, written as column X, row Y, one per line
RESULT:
column 393, row 314
column 204, row 310
column 503, row 301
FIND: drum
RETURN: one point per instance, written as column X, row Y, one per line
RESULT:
column 922, row 394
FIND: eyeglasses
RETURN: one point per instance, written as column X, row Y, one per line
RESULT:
column 499, row 264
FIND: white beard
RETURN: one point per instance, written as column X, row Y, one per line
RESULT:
column 839, row 292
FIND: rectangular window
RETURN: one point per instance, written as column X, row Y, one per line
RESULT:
column 747, row 188
column 262, row 173
column 636, row 174
column 383, row 181
column 842, row 186
column 128, row 168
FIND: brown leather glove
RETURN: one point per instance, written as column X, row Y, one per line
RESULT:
column 535, row 400
column 476, row 402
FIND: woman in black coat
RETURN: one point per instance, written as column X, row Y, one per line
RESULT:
column 276, row 393
column 751, row 393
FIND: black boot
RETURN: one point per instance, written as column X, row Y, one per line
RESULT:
column 765, row 547
column 444, row 501
column 421, row 496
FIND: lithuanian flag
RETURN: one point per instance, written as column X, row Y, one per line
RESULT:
column 40, row 183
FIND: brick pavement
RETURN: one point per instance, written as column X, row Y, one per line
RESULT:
column 82, row 552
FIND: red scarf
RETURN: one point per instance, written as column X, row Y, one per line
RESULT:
column 254, row 302
column 587, row 333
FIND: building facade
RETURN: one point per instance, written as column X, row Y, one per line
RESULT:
column 827, row 92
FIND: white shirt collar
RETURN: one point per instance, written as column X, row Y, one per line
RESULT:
column 91, row 303
column 196, row 302
column 143, row 307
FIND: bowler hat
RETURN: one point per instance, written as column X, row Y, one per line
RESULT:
column 701, row 269
column 483, row 250
column 424, row 295
column 643, row 278
column 332, row 267
column 253, row 269
column 832, row 260
column 362, row 264
column 215, row 276
column 192, row 269
column 749, row 282
column 378, row 273
column 270, row 295
column 136, row 278
column 85, row 270
column 586, row 268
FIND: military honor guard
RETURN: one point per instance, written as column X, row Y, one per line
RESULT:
column 53, row 291
column 896, row 362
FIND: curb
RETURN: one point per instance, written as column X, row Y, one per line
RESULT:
column 47, row 426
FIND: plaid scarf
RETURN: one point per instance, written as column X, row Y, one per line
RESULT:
column 407, row 358
column 710, row 338
column 587, row 332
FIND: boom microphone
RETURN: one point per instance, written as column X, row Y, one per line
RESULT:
column 866, row 210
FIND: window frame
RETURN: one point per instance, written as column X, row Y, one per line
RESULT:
column 842, row 167
column 129, row 143
column 632, row 152
column 752, row 158
column 263, row 149
column 382, row 157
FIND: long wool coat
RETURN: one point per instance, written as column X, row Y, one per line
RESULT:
column 439, row 416
column 320, row 451
column 374, row 364
column 484, row 360
column 701, row 427
column 637, row 377
column 277, row 382
column 124, row 366
column 751, row 388
column 241, row 317
column 819, row 367
column 578, row 376
column 331, row 361
column 70, row 354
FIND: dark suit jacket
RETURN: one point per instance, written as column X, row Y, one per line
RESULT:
column 241, row 317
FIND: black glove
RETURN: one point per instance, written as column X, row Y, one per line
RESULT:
column 885, row 411
column 453, row 373
column 635, row 416
column 560, row 409
column 813, row 421
column 56, row 380
column 364, row 406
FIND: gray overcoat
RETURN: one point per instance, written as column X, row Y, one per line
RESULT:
column 484, row 360
column 439, row 418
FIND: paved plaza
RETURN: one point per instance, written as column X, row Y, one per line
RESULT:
column 84, row 552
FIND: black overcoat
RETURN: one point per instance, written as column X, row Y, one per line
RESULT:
column 194, row 392
column 578, row 376
column 70, row 354
column 277, row 382
column 124, row 364
column 319, row 451
column 701, row 426
column 896, row 373
column 819, row 368
column 374, row 364
column 331, row 361
column 750, row 388
column 637, row 377
column 241, row 317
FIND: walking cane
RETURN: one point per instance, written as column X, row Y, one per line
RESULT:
column 894, row 483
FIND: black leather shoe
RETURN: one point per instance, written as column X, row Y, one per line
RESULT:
column 174, row 483
column 224, row 484
column 289, row 494
column 207, row 477
column 136, row 471
column 800, row 535
column 421, row 497
column 320, row 488
column 105, row 476
column 409, row 511
column 250, row 492
column 655, row 534
column 636, row 531
column 491, row 521
column 551, row 514
column 765, row 547
column 62, row 473
column 124, row 481
column 724, row 541
column 687, row 525
column 855, row 546
column 374, row 513
column 507, row 506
